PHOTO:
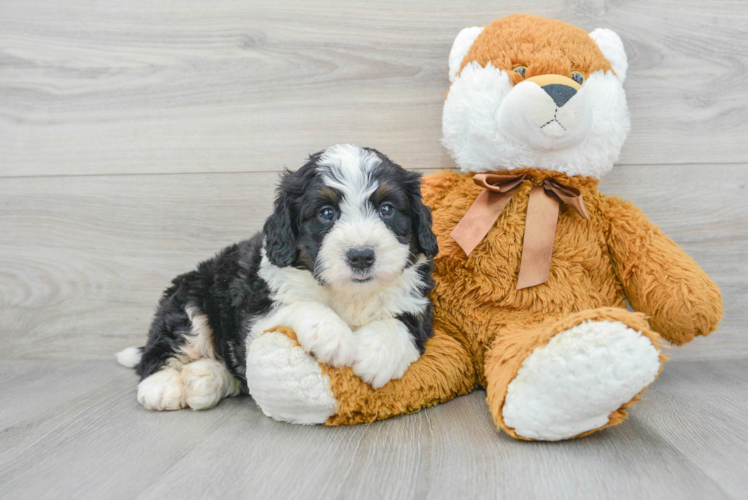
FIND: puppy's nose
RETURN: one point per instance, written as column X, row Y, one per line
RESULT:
column 361, row 258
column 559, row 93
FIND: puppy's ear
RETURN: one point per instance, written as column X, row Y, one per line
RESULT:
column 279, row 229
column 421, row 217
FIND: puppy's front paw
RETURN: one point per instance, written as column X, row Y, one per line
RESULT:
column 385, row 351
column 329, row 338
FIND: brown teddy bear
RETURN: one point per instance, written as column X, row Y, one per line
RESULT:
column 535, row 265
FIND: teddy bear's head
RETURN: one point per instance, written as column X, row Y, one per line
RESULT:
column 534, row 92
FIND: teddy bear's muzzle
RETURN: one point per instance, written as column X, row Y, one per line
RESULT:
column 547, row 112
column 560, row 88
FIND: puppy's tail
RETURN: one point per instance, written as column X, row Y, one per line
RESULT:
column 129, row 357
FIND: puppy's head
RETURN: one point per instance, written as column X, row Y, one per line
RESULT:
column 351, row 217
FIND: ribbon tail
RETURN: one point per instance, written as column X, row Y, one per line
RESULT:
column 569, row 195
column 540, row 231
column 479, row 219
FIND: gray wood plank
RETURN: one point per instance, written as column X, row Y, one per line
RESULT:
column 699, row 408
column 92, row 91
column 182, row 86
column 451, row 451
column 96, row 445
column 704, row 210
column 47, row 388
column 84, row 259
column 685, row 440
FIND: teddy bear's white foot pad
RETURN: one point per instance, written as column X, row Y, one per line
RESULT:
column 572, row 384
column 286, row 382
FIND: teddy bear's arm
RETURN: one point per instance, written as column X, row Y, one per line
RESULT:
column 659, row 278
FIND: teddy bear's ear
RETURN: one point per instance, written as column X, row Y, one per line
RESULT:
column 460, row 47
column 612, row 48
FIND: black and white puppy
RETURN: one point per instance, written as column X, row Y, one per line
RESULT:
column 345, row 260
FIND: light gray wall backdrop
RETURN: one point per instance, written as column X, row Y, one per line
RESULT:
column 138, row 137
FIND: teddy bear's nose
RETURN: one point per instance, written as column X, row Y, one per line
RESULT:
column 559, row 93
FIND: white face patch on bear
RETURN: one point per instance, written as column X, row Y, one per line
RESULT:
column 490, row 125
column 349, row 169
column 529, row 115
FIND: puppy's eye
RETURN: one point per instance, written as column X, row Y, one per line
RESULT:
column 386, row 210
column 577, row 77
column 327, row 214
column 521, row 70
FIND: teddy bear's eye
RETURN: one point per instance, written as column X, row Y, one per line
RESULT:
column 521, row 70
column 577, row 77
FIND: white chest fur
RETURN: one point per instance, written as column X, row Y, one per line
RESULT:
column 351, row 325
column 357, row 304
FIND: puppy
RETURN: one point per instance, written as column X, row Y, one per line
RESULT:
column 345, row 260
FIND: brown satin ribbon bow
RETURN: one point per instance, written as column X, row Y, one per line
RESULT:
column 540, row 225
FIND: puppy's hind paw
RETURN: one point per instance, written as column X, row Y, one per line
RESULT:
column 207, row 382
column 164, row 390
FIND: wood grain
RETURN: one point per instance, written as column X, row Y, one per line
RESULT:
column 705, row 210
column 138, row 138
column 84, row 259
column 695, row 407
column 686, row 439
column 185, row 86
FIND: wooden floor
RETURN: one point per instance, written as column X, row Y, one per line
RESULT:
column 138, row 137
column 74, row 430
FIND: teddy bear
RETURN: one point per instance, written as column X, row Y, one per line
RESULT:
column 535, row 264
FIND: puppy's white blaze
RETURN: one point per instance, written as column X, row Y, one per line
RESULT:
column 348, row 168
column 129, row 357
column 391, row 256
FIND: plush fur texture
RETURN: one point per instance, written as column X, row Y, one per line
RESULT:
column 495, row 118
column 274, row 362
column 460, row 47
column 344, row 260
column 565, row 358
column 603, row 365
column 487, row 328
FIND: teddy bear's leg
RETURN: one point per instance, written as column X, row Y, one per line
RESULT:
column 290, row 385
column 568, row 377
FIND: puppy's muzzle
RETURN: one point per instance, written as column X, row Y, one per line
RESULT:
column 361, row 259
